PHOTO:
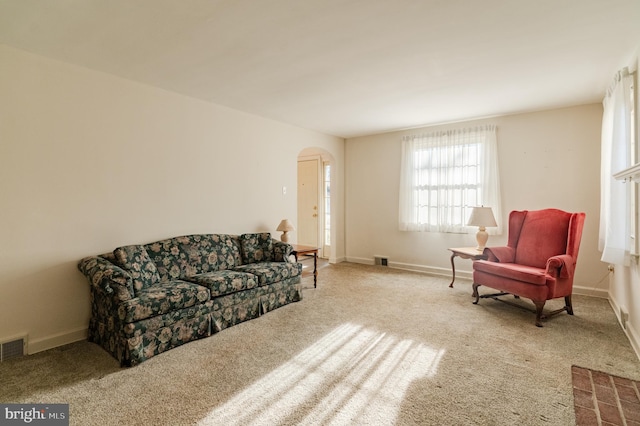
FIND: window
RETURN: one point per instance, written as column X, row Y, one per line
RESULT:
column 327, row 203
column 618, row 203
column 444, row 175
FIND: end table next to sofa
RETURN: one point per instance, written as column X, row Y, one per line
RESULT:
column 299, row 249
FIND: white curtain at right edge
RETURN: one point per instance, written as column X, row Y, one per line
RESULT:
column 613, row 239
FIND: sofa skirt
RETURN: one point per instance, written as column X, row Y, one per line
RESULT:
column 280, row 294
column 133, row 343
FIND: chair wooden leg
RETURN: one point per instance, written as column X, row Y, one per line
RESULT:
column 568, row 306
column 539, row 307
column 475, row 293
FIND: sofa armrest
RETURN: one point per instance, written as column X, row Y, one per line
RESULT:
column 282, row 251
column 107, row 277
column 561, row 266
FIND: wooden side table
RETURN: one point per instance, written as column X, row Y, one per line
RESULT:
column 308, row 250
column 465, row 253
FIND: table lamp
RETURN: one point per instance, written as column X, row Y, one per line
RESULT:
column 482, row 217
column 285, row 226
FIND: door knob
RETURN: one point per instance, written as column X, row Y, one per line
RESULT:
column 315, row 215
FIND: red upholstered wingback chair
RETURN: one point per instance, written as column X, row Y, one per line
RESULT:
column 538, row 262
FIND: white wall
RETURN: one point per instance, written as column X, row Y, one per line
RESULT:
column 90, row 162
column 547, row 159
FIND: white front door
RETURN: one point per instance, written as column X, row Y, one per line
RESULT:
column 308, row 203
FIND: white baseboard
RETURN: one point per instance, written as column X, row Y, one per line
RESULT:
column 39, row 345
column 590, row 291
column 362, row 260
column 430, row 270
column 632, row 335
column 629, row 331
column 467, row 275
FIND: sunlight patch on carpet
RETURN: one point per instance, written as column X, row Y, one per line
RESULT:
column 351, row 373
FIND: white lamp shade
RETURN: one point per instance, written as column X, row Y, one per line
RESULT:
column 482, row 216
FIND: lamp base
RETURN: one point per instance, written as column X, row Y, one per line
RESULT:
column 284, row 237
column 481, row 237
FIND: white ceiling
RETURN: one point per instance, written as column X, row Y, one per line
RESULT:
column 344, row 67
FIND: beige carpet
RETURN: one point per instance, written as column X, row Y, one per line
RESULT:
column 371, row 346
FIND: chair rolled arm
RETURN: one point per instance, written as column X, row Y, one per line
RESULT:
column 107, row 277
column 561, row 266
column 500, row 254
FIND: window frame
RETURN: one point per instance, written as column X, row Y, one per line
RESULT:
column 458, row 168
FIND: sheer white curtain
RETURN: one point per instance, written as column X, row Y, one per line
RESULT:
column 444, row 175
column 613, row 239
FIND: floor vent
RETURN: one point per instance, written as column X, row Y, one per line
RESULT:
column 12, row 349
column 382, row 261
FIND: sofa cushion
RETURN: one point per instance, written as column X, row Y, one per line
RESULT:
column 161, row 298
column 271, row 272
column 220, row 283
column 136, row 261
column 189, row 255
column 256, row 247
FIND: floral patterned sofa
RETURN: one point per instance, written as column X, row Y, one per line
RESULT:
column 147, row 299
